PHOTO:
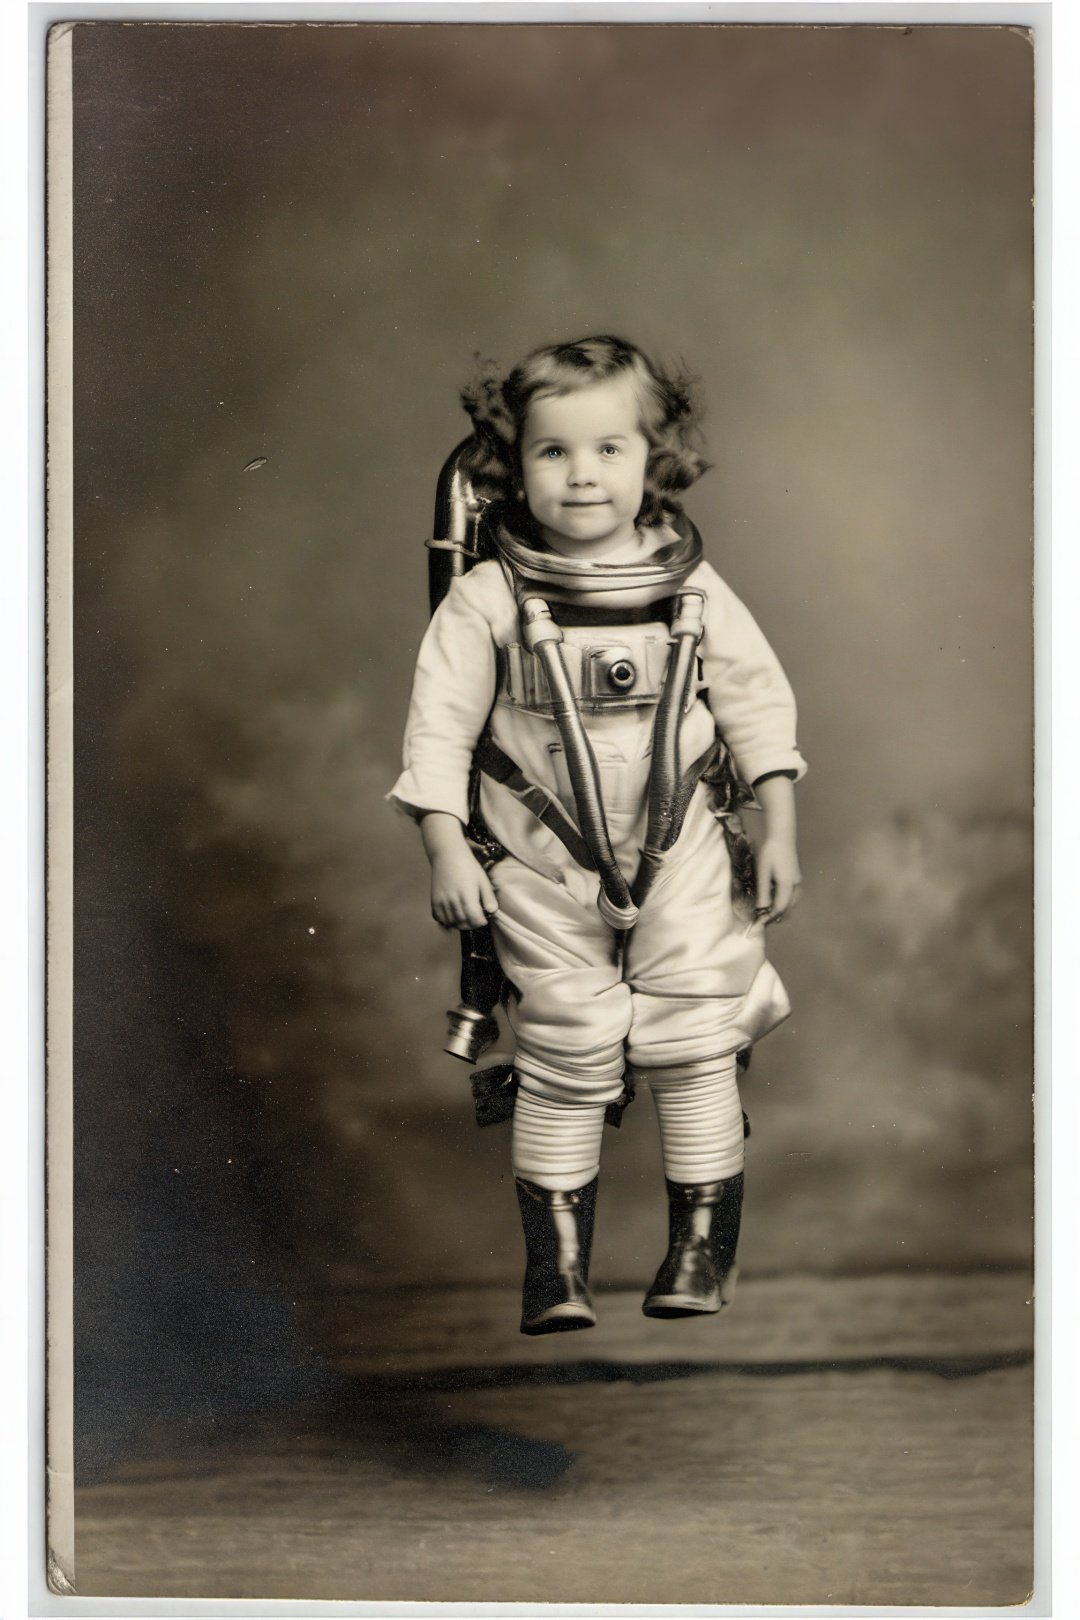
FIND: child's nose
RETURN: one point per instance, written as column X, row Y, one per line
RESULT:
column 582, row 470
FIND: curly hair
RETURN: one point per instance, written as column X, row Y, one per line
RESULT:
column 669, row 411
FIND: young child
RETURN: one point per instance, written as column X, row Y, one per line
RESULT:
column 602, row 674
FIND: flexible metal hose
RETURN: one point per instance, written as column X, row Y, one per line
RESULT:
column 663, row 825
column 544, row 638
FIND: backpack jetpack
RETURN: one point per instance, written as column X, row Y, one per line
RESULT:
column 462, row 537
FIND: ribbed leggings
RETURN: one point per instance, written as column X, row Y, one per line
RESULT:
column 557, row 1144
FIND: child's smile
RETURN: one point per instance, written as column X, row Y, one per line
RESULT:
column 583, row 459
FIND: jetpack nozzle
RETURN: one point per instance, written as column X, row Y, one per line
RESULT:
column 469, row 1033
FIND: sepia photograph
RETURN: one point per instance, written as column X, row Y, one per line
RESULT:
column 540, row 781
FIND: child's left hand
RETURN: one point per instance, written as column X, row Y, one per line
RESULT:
column 778, row 879
column 778, row 875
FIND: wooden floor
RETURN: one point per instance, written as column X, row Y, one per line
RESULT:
column 844, row 1441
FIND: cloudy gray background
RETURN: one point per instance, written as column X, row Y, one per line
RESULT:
column 289, row 243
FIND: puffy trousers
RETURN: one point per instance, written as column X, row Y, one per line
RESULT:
column 689, row 983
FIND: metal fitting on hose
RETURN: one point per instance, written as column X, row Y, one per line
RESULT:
column 689, row 617
column 537, row 624
column 621, row 918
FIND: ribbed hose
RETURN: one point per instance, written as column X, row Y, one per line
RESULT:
column 662, row 828
column 544, row 638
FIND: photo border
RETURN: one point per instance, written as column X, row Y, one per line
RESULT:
column 1054, row 594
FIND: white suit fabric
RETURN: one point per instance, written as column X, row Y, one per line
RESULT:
column 690, row 983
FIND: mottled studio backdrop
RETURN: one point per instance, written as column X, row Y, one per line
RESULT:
column 289, row 243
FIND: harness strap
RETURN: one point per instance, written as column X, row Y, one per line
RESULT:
column 492, row 760
column 688, row 781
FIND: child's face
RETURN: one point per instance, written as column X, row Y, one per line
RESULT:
column 583, row 461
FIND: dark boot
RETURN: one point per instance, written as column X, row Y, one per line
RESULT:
column 558, row 1229
column 698, row 1274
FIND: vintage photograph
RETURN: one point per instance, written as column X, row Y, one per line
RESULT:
column 540, row 1093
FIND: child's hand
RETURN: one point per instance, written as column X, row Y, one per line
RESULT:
column 461, row 893
column 778, row 875
column 778, row 878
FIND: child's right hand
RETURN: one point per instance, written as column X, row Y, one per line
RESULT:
column 461, row 892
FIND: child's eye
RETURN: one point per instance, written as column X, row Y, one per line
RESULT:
column 552, row 452
column 609, row 450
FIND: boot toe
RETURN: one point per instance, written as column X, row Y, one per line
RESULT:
column 668, row 1306
column 563, row 1318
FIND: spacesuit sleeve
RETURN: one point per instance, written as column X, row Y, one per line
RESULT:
column 453, row 690
column 749, row 695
